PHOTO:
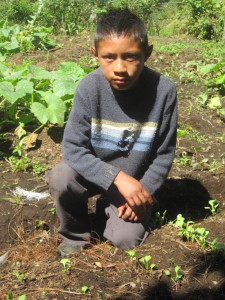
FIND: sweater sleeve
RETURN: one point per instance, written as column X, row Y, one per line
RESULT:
column 165, row 143
column 77, row 150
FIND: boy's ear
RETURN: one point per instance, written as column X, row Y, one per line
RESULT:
column 148, row 52
column 94, row 52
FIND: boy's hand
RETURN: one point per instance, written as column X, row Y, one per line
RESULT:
column 125, row 212
column 133, row 191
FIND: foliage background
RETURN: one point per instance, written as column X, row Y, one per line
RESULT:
column 202, row 18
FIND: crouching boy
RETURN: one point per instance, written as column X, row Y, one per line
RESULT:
column 119, row 139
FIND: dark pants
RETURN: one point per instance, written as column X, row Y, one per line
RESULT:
column 70, row 192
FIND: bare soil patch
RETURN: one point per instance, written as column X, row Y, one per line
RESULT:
column 28, row 229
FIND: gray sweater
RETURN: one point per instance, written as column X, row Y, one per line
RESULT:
column 133, row 131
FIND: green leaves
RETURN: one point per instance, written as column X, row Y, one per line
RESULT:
column 53, row 112
column 63, row 87
column 29, row 91
column 12, row 94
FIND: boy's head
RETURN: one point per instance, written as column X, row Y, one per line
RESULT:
column 121, row 47
column 121, row 22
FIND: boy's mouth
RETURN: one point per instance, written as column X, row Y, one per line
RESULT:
column 120, row 80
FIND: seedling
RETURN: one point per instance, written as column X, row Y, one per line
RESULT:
column 84, row 289
column 213, row 207
column 183, row 161
column 190, row 232
column 145, row 261
column 10, row 296
column 52, row 210
column 131, row 254
column 19, row 276
column 201, row 235
column 38, row 168
column 160, row 219
column 101, row 295
column 178, row 275
column 66, row 265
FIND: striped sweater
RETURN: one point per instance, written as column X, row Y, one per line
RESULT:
column 133, row 131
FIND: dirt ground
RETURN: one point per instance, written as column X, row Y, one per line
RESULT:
column 28, row 228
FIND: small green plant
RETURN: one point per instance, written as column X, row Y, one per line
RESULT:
column 213, row 207
column 101, row 295
column 18, row 164
column 183, row 161
column 37, row 167
column 84, row 289
column 145, row 261
column 19, row 276
column 18, row 199
column 178, row 275
column 201, row 235
column 160, row 218
column 191, row 232
column 131, row 253
column 52, row 210
column 10, row 296
column 66, row 265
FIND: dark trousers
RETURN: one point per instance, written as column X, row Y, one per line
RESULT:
column 70, row 192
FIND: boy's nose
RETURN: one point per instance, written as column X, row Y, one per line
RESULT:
column 119, row 66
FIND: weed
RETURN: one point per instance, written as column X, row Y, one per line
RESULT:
column 213, row 204
column 20, row 164
column 221, row 137
column 183, row 161
column 37, row 167
column 66, row 265
column 39, row 224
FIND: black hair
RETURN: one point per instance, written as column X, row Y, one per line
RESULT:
column 121, row 22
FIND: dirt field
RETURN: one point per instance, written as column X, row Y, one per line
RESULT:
column 28, row 228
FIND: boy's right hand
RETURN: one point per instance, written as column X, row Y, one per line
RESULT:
column 133, row 191
column 125, row 212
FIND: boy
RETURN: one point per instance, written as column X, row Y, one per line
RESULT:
column 119, row 140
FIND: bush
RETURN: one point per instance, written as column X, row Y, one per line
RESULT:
column 205, row 18
column 18, row 11
column 75, row 15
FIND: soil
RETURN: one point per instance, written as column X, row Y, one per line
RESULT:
column 28, row 228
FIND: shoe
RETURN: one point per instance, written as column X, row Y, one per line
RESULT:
column 67, row 250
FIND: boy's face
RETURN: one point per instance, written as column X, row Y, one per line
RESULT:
column 121, row 60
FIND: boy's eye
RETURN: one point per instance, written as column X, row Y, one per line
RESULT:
column 108, row 57
column 131, row 57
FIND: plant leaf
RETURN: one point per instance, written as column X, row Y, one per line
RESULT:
column 25, row 87
column 214, row 103
column 56, row 109
column 39, row 73
column 40, row 112
column 65, row 86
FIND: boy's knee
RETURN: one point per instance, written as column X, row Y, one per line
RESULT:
column 126, row 239
column 59, row 178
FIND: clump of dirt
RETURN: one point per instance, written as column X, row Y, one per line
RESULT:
column 28, row 228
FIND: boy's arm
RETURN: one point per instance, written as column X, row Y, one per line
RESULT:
column 138, row 193
column 165, row 146
column 77, row 145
